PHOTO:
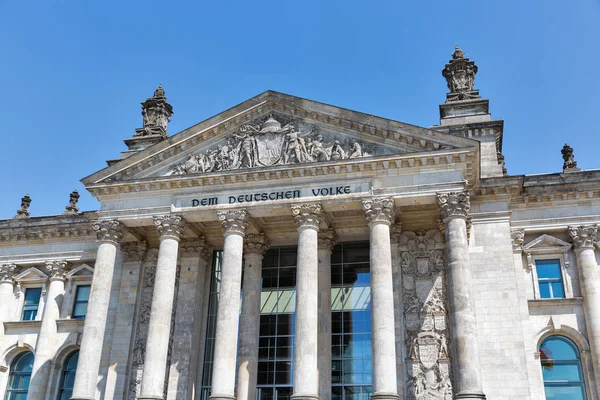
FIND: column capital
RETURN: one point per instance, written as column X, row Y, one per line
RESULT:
column 307, row 215
column 584, row 236
column 256, row 243
column 7, row 273
column 326, row 240
column 57, row 269
column 233, row 221
column 109, row 231
column 379, row 210
column 196, row 247
column 170, row 226
column 133, row 251
column 454, row 204
column 518, row 237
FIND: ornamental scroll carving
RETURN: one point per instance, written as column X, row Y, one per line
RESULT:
column 583, row 236
column 425, row 315
column 269, row 143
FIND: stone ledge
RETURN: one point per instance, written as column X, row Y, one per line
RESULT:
column 70, row 324
column 538, row 303
column 20, row 326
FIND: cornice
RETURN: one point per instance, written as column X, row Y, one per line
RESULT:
column 51, row 232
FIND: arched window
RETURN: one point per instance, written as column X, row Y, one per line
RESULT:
column 67, row 378
column 561, row 369
column 20, row 374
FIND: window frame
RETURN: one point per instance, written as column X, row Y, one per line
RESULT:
column 8, row 391
column 39, row 303
column 74, row 302
column 561, row 268
column 547, row 247
column 61, row 375
column 579, row 362
column 32, row 278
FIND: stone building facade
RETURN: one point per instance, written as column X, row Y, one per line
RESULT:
column 287, row 248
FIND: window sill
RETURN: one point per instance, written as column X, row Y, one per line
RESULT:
column 70, row 324
column 571, row 301
column 19, row 327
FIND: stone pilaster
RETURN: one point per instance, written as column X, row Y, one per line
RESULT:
column 45, row 349
column 306, row 374
column 326, row 241
column 380, row 214
column 7, row 285
column 255, row 247
column 584, row 243
column 234, row 224
column 454, row 208
column 109, row 233
column 395, row 233
column 170, row 229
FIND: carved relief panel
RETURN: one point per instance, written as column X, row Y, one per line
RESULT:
column 424, row 296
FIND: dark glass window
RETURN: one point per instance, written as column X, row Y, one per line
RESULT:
column 561, row 369
column 20, row 375
column 82, row 297
column 67, row 379
column 31, row 303
column 549, row 279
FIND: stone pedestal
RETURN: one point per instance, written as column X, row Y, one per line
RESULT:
column 170, row 229
column 584, row 241
column 254, row 251
column 109, row 233
column 326, row 242
column 234, row 225
column 306, row 374
column 454, row 207
column 45, row 349
column 379, row 213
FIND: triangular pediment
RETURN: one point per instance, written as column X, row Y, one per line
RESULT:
column 31, row 274
column 546, row 244
column 274, row 130
column 82, row 271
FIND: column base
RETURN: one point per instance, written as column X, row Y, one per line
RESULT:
column 221, row 397
column 469, row 396
column 385, row 396
column 304, row 396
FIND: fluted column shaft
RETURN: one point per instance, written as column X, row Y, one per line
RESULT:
column 234, row 225
column 379, row 213
column 254, row 250
column 327, row 239
column 454, row 207
column 584, row 240
column 170, row 229
column 7, row 282
column 306, row 374
column 109, row 233
column 46, row 346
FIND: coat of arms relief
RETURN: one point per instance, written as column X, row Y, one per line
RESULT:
column 425, row 316
column 274, row 141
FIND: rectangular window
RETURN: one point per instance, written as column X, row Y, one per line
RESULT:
column 31, row 304
column 81, row 301
column 550, row 279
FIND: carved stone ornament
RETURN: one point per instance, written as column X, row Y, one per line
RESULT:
column 518, row 237
column 57, row 269
column 23, row 212
column 379, row 210
column 326, row 240
column 269, row 143
column 584, row 236
column 256, row 243
column 395, row 232
column 73, row 199
column 157, row 114
column 109, row 230
column 307, row 215
column 460, row 77
column 454, row 204
column 195, row 248
column 568, row 157
column 7, row 272
column 170, row 226
column 234, row 221
column 134, row 251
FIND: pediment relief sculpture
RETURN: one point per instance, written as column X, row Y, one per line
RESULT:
column 273, row 142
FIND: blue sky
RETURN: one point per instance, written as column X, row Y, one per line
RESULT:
column 74, row 72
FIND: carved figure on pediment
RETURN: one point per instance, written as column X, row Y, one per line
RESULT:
column 355, row 150
column 337, row 152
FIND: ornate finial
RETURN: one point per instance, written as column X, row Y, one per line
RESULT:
column 460, row 77
column 157, row 114
column 73, row 199
column 570, row 165
column 23, row 212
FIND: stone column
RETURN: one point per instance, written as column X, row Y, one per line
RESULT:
column 255, row 247
column 454, row 207
column 234, row 224
column 326, row 242
column 584, row 242
column 380, row 214
column 170, row 229
column 306, row 373
column 46, row 346
column 7, row 282
column 109, row 233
